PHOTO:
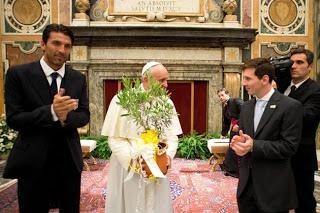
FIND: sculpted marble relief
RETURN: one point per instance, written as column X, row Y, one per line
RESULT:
column 283, row 13
column 97, row 10
column 273, row 49
column 170, row 7
column 21, row 7
column 200, row 11
column 26, row 16
column 283, row 16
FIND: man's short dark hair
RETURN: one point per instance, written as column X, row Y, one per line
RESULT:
column 307, row 52
column 262, row 67
column 59, row 28
column 223, row 90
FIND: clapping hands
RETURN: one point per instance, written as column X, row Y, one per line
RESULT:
column 62, row 105
column 241, row 144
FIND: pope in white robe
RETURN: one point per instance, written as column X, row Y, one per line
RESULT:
column 136, row 194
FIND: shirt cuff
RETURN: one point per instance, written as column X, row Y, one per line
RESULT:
column 54, row 115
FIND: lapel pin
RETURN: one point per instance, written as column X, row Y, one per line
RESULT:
column 273, row 106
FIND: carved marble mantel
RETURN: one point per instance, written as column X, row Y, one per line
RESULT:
column 189, row 52
column 165, row 36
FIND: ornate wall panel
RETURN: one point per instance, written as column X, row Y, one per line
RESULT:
column 231, row 81
column 14, row 53
column 64, row 12
column 97, row 10
column 21, row 52
column 190, row 11
column 25, row 16
column 272, row 49
column 283, row 25
column 246, row 13
column 283, row 17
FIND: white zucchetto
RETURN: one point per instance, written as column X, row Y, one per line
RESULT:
column 148, row 66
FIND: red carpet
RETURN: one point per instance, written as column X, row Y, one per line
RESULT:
column 194, row 188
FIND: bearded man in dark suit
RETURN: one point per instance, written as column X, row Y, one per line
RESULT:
column 46, row 102
column 270, row 129
column 304, row 162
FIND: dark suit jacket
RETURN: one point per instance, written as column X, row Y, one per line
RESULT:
column 275, row 141
column 309, row 95
column 28, row 102
column 230, row 111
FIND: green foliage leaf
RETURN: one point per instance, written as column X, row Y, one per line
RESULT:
column 102, row 151
column 7, row 135
column 194, row 146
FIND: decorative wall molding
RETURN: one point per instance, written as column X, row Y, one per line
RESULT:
column 27, row 47
column 97, row 10
column 140, row 11
column 182, row 36
column 273, row 49
column 25, row 16
column 283, row 17
column 282, row 48
column 20, row 52
column 157, row 11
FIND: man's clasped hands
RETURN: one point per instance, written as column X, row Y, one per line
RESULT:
column 63, row 104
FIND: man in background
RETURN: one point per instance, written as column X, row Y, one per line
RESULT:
column 270, row 129
column 307, row 92
column 231, row 112
column 46, row 102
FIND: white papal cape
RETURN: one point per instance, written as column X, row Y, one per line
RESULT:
column 134, row 195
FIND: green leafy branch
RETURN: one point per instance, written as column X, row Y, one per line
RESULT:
column 151, row 108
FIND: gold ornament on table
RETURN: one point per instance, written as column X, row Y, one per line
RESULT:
column 151, row 110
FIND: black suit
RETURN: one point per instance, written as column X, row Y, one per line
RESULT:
column 304, row 162
column 266, row 171
column 46, row 157
column 231, row 113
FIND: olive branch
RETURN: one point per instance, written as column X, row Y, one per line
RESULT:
column 150, row 109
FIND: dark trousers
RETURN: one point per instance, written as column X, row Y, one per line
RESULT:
column 247, row 202
column 57, row 185
column 305, row 187
column 230, row 163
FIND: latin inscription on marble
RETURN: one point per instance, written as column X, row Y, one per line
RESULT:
column 170, row 7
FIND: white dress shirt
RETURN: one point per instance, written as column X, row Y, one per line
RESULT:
column 48, row 71
column 261, row 104
column 288, row 90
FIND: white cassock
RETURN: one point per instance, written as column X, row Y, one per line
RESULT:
column 134, row 195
